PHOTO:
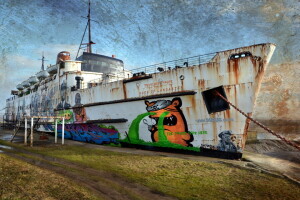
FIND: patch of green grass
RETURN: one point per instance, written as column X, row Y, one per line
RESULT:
column 19, row 180
column 184, row 179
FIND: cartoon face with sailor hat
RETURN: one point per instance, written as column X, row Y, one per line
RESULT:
column 174, row 123
column 226, row 142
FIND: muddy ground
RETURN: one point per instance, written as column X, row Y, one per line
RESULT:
column 274, row 148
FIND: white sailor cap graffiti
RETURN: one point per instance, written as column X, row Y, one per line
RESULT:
column 227, row 132
column 159, row 104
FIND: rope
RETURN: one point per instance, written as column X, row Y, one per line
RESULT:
column 258, row 123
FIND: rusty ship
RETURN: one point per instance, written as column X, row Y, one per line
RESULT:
column 170, row 106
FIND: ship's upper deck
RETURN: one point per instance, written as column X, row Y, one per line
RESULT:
column 97, row 69
column 99, row 63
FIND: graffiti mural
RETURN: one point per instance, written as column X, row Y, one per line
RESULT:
column 18, row 117
column 166, row 125
column 227, row 142
column 174, row 123
column 63, row 104
column 31, row 105
column 91, row 133
column 49, row 104
column 67, row 114
column 34, row 104
column 80, row 114
column 43, row 106
column 21, row 109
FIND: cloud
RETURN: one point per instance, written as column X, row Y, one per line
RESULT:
column 15, row 68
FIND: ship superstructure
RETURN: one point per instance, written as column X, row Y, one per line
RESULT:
column 165, row 105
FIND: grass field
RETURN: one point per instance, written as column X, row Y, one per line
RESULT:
column 19, row 180
column 183, row 179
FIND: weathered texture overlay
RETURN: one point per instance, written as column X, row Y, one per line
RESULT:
column 143, row 32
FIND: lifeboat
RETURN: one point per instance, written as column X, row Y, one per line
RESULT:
column 52, row 69
column 20, row 87
column 14, row 92
column 35, row 86
column 25, row 84
column 42, row 75
column 33, row 79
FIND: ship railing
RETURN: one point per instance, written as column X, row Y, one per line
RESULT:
column 10, row 98
column 180, row 63
column 117, row 76
column 14, row 120
column 160, row 67
column 93, row 83
column 46, row 116
column 107, row 78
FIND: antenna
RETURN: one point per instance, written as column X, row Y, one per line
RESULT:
column 90, row 36
column 90, row 42
column 43, row 60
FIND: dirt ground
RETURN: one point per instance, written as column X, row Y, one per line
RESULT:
column 276, row 149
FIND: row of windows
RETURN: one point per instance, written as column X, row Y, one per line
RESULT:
column 105, row 64
column 240, row 55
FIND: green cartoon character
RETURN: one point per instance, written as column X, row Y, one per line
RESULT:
column 67, row 114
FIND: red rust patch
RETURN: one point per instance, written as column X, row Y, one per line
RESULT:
column 242, row 89
column 227, row 113
column 247, row 124
column 233, row 66
column 201, row 84
column 193, row 101
column 124, row 91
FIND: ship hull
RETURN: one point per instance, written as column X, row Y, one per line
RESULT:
column 174, row 110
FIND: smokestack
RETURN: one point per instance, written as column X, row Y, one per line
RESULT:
column 78, row 81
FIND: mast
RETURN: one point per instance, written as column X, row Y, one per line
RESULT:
column 43, row 61
column 90, row 42
column 89, row 50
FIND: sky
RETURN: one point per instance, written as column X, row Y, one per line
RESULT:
column 140, row 32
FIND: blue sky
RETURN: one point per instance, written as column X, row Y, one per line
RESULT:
column 140, row 32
